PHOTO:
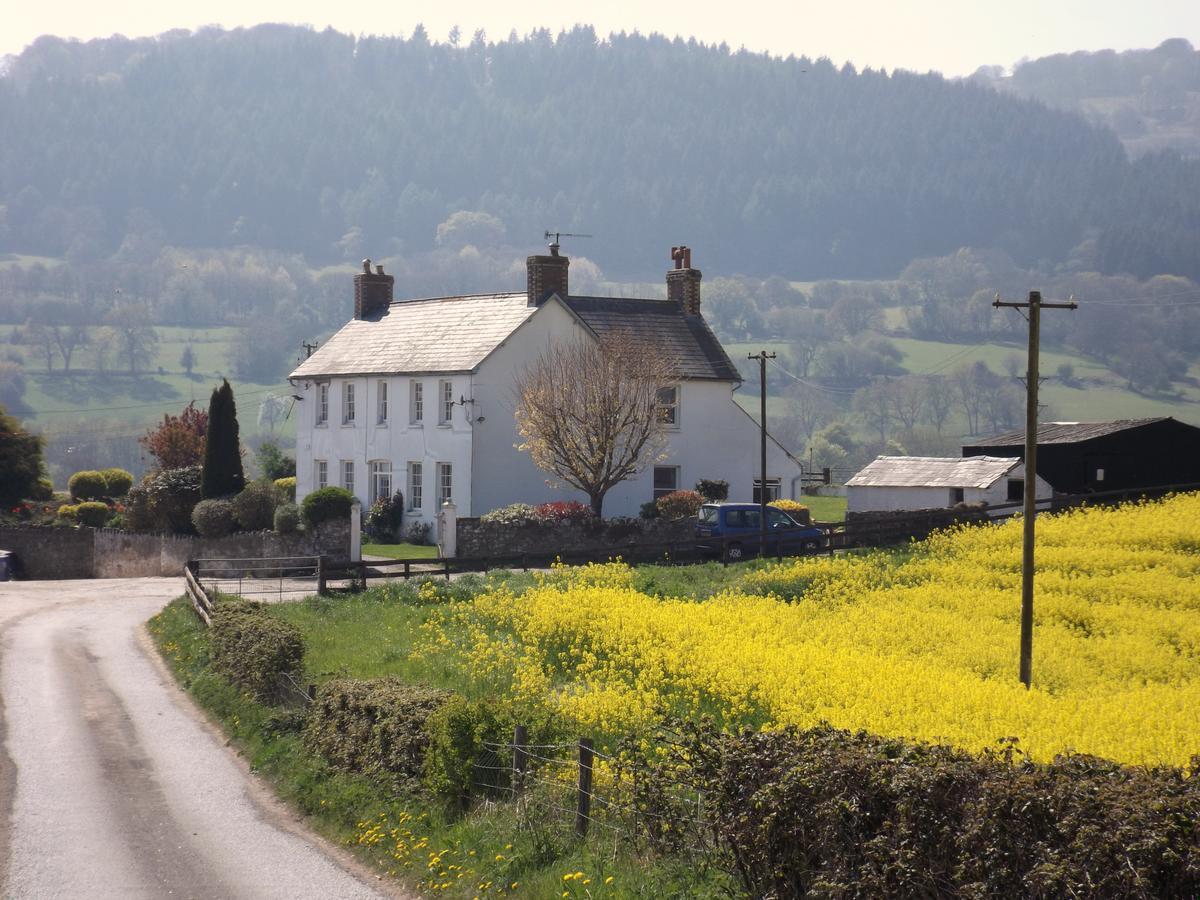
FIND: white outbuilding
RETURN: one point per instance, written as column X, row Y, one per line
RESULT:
column 893, row 483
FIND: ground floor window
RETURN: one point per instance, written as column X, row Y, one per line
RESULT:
column 381, row 479
column 666, row 480
column 321, row 473
column 957, row 495
column 772, row 490
column 445, row 476
column 415, row 485
column 1016, row 489
column 348, row 475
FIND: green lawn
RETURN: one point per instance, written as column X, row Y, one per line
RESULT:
column 401, row 551
column 825, row 509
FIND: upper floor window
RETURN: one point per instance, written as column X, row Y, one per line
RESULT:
column 445, row 402
column 668, row 406
column 416, row 406
column 381, row 404
column 322, row 402
column 348, row 403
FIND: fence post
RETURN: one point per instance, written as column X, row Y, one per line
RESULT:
column 520, row 759
column 321, row 576
column 584, row 808
column 355, row 531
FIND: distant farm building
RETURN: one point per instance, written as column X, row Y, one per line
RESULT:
column 1087, row 457
column 893, row 483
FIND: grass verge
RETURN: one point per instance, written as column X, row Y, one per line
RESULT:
column 401, row 551
column 491, row 851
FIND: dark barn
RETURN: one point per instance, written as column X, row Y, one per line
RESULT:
column 1087, row 457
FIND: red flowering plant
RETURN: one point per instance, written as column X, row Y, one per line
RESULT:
column 563, row 511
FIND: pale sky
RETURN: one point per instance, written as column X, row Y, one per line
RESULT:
column 950, row 36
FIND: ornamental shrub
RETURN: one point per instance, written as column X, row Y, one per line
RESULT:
column 563, row 511
column 374, row 727
column 418, row 533
column 68, row 511
column 384, row 518
column 326, row 503
column 255, row 506
column 255, row 650
column 649, row 510
column 679, row 504
column 513, row 514
column 118, row 482
column 286, row 487
column 43, row 490
column 713, row 490
column 87, row 485
column 92, row 513
column 287, row 518
column 164, row 501
column 214, row 518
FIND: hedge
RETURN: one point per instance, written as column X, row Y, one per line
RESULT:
column 374, row 727
column 832, row 813
column 255, row 650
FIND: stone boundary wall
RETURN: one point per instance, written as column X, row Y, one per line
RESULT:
column 45, row 552
column 478, row 539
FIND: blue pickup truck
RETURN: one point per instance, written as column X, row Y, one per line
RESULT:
column 734, row 529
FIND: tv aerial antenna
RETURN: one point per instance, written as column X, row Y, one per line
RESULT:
column 561, row 234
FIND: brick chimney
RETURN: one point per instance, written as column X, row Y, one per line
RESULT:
column 683, row 282
column 372, row 291
column 546, row 275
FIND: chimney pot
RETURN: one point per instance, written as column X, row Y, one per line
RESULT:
column 379, row 268
column 366, row 264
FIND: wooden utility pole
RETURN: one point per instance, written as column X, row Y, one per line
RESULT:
column 762, row 356
column 1035, row 307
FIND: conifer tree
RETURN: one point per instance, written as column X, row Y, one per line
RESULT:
column 222, row 475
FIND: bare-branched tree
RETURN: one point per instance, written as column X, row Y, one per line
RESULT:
column 594, row 413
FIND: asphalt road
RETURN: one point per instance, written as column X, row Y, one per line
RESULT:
column 112, row 785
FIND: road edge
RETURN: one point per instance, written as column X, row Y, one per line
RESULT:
column 273, row 809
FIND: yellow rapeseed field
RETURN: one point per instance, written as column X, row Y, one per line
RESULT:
column 919, row 645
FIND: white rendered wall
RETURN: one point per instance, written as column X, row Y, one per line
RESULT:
column 715, row 438
column 397, row 440
column 875, row 498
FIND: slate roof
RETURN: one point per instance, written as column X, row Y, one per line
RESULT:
column 455, row 334
column 934, row 471
column 442, row 334
column 1066, row 432
column 687, row 339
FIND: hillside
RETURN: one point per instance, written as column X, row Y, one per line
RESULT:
column 337, row 148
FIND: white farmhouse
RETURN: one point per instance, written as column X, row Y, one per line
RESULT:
column 418, row 396
column 928, row 482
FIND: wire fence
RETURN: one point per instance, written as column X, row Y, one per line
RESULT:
column 573, row 787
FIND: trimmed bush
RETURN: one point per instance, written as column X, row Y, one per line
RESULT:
column 118, row 482
column 68, row 511
column 374, row 727
column 286, row 487
column 164, row 501
column 287, row 518
column 713, row 490
column 384, row 518
column 649, row 510
column 679, row 504
column 87, row 485
column 214, row 518
column 44, row 490
column 255, row 506
column 92, row 513
column 325, row 504
column 793, row 508
column 513, row 514
column 255, row 650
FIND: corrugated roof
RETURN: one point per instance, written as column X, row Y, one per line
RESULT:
column 455, row 334
column 442, row 334
column 687, row 339
column 1066, row 432
column 934, row 471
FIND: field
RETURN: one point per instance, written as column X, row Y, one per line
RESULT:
column 919, row 645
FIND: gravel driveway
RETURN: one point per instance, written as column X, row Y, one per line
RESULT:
column 112, row 785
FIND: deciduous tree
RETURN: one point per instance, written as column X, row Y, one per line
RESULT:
column 179, row 440
column 588, row 411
